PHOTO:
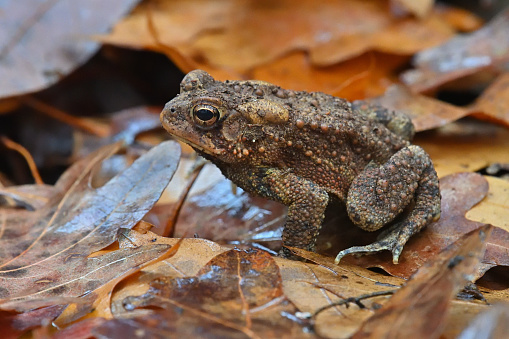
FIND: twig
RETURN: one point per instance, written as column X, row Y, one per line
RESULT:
column 354, row 300
column 172, row 220
column 66, row 118
column 26, row 154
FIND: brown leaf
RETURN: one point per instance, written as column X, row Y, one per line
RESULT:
column 492, row 323
column 80, row 330
column 459, row 193
column 159, row 324
column 14, row 324
column 494, row 209
column 493, row 104
column 331, row 31
column 366, row 75
column 237, row 292
column 123, row 125
column 465, row 146
column 47, row 39
column 29, row 196
column 417, row 7
column 311, row 287
column 212, row 211
column 426, row 113
column 461, row 56
column 460, row 315
column 307, row 286
column 460, row 19
column 49, row 254
column 418, row 309
column 248, row 278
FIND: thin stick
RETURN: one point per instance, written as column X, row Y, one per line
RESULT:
column 172, row 220
column 354, row 300
column 57, row 114
column 26, row 154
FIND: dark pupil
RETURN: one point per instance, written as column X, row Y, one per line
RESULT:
column 204, row 114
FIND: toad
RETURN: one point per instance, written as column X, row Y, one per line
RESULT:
column 307, row 150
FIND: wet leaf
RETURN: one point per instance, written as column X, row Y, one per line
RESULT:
column 213, row 211
column 460, row 192
column 14, row 324
column 50, row 254
column 425, row 300
column 461, row 56
column 237, row 292
column 47, row 39
column 82, row 329
column 123, row 125
column 308, row 287
column 219, row 215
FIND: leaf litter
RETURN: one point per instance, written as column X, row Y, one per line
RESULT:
column 53, row 243
column 43, row 41
column 300, row 286
column 461, row 56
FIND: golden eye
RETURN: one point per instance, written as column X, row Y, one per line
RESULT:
column 205, row 115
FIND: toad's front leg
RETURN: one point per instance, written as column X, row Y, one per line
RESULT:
column 306, row 207
column 380, row 193
column 306, row 203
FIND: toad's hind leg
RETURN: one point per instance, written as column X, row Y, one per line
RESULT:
column 380, row 193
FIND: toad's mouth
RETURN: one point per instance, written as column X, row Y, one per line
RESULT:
column 194, row 141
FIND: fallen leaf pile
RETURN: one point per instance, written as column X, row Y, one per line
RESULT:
column 127, row 234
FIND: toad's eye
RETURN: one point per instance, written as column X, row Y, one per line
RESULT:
column 204, row 115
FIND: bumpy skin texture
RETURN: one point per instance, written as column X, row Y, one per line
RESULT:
column 306, row 149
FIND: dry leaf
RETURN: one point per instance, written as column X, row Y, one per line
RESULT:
column 465, row 146
column 418, row 309
column 367, row 75
column 494, row 209
column 461, row 314
column 426, row 113
column 311, row 287
column 461, row 56
column 45, row 40
column 50, row 254
column 417, row 7
column 330, row 31
column 493, row 103
column 492, row 323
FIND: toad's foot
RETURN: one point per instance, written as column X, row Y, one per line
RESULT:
column 393, row 239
